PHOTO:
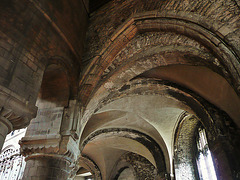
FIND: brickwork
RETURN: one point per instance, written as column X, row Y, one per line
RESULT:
column 103, row 25
column 109, row 33
column 142, row 168
column 46, row 168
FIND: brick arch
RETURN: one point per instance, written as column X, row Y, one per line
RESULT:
column 156, row 21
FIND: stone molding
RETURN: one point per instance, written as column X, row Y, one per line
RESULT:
column 63, row 147
column 17, row 110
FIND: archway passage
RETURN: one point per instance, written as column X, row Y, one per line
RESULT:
column 146, row 73
column 156, row 68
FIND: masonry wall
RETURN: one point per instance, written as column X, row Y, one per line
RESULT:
column 220, row 16
column 32, row 35
column 137, row 167
column 185, row 148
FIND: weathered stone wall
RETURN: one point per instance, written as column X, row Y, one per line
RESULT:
column 185, row 148
column 47, row 122
column 222, row 15
column 109, row 33
column 142, row 167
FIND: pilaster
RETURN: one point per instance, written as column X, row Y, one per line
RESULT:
column 49, row 151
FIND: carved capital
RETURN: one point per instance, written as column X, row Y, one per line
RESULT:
column 16, row 109
column 57, row 146
column 5, row 128
column 6, row 123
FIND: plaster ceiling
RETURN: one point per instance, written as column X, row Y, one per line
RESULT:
column 204, row 82
column 155, row 116
column 149, row 113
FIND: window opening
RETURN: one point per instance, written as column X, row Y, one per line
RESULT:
column 204, row 158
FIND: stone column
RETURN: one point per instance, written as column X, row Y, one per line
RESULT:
column 5, row 128
column 47, row 167
column 52, row 158
column 50, row 147
column 15, row 113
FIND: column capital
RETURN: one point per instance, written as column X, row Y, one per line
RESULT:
column 5, row 127
column 6, row 122
column 57, row 146
column 16, row 109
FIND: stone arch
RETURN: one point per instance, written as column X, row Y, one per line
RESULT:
column 139, row 143
column 113, row 78
column 120, row 78
column 138, row 166
column 120, row 169
column 87, row 163
column 193, row 103
column 166, row 21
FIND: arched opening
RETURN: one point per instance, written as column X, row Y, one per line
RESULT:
column 198, row 154
column 83, row 174
column 53, row 97
column 55, row 90
column 107, row 146
column 185, row 148
column 126, row 174
column 166, row 55
column 204, row 159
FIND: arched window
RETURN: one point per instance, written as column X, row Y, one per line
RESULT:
column 204, row 158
